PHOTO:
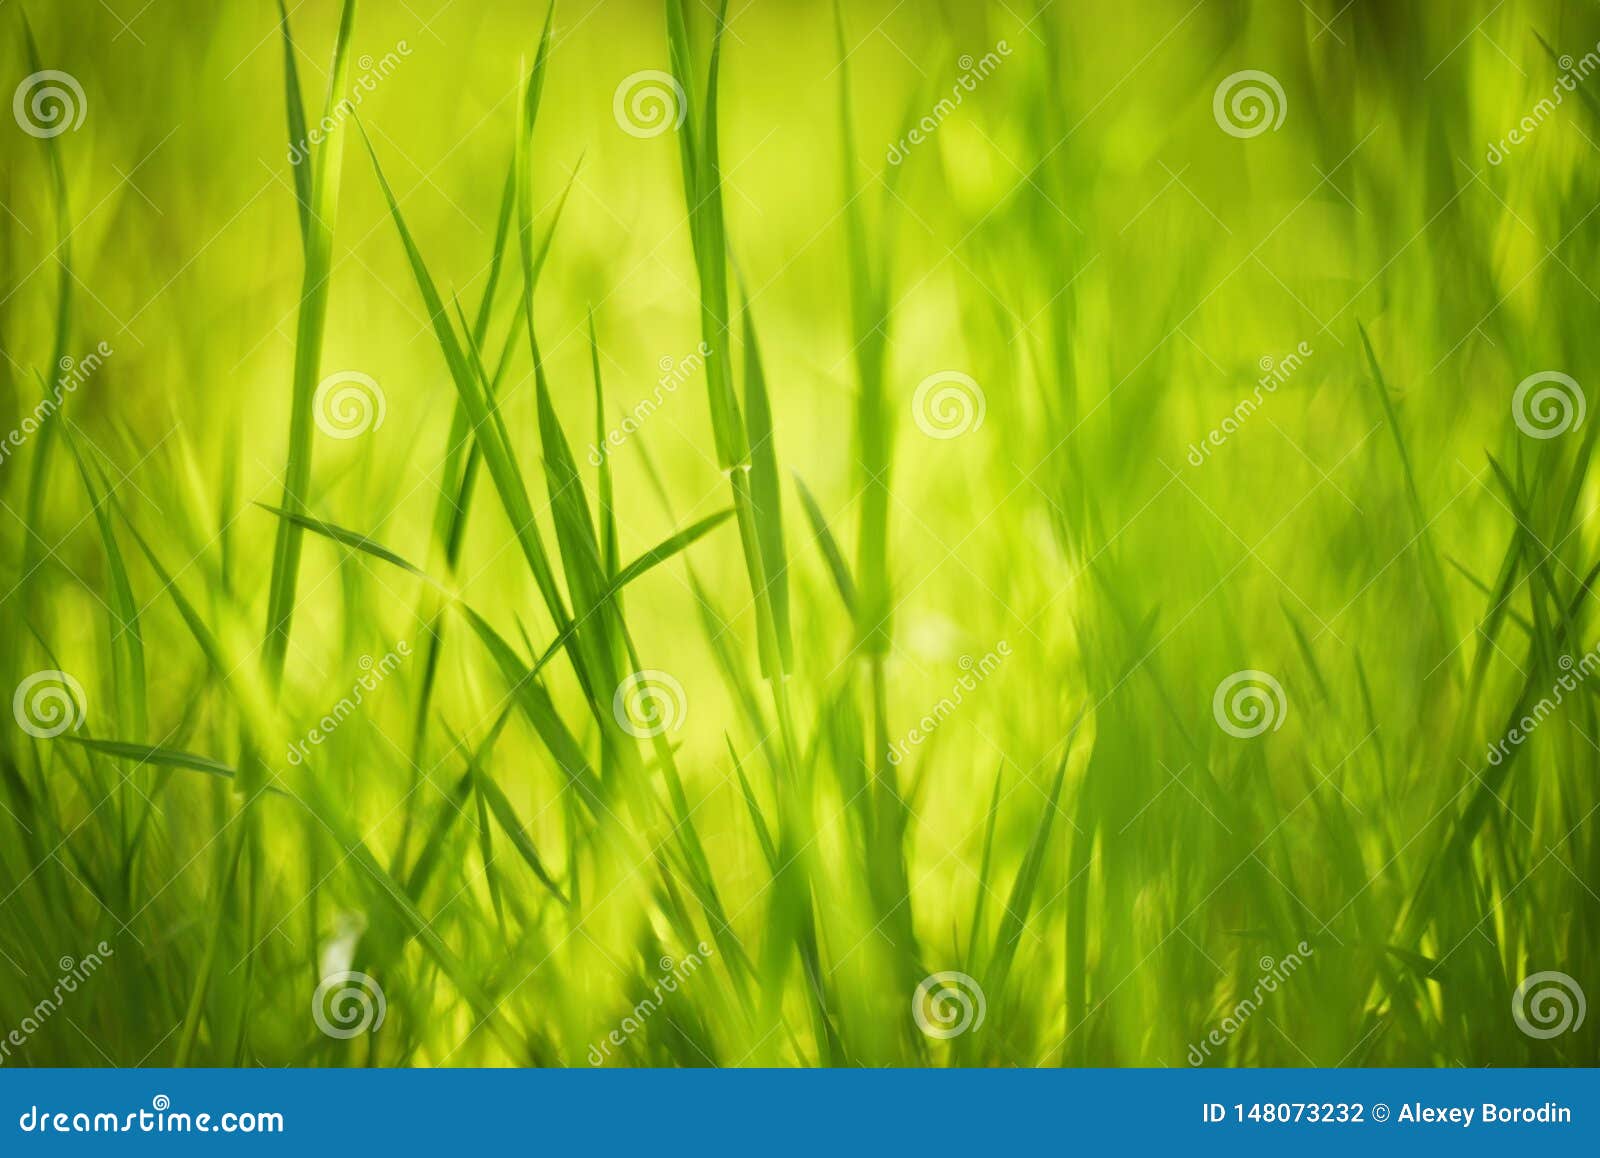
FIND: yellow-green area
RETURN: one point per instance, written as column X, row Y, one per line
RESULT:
column 906, row 533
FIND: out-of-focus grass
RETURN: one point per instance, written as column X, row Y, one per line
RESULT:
column 802, row 571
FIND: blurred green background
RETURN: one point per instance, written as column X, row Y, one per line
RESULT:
column 992, row 810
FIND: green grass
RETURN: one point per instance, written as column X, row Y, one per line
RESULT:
column 799, row 698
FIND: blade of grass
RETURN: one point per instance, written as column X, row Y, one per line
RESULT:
column 39, row 469
column 297, row 128
column 766, row 496
column 327, row 165
column 503, row 468
column 837, row 567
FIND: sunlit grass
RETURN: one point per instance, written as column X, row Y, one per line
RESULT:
column 815, row 690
